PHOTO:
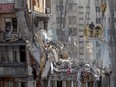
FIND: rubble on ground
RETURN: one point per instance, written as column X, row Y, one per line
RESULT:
column 55, row 60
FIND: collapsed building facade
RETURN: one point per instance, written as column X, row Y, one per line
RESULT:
column 15, row 61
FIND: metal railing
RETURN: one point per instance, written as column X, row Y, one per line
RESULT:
column 13, row 72
column 13, row 64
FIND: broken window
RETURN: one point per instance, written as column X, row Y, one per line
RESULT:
column 98, row 20
column 12, row 54
column 15, row 59
column 3, row 55
column 22, row 54
column 14, row 24
column 23, row 84
column 10, row 25
column 36, row 22
column 97, row 9
column 72, row 7
column 59, row 83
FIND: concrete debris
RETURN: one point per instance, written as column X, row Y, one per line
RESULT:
column 54, row 58
column 46, row 70
column 35, row 52
column 47, row 38
column 52, row 67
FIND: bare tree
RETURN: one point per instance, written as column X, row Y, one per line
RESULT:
column 63, row 4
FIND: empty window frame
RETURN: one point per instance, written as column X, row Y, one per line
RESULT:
column 15, row 54
column 98, row 20
column 12, row 54
column 23, row 84
column 97, row 9
column 59, row 83
column 22, row 54
column 10, row 25
column 72, row 7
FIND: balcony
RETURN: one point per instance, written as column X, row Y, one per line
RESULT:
column 13, row 64
column 13, row 72
column 13, row 69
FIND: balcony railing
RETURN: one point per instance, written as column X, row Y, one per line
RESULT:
column 13, row 69
column 13, row 64
column 13, row 72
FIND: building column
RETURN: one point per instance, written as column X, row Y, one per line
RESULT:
column 72, row 83
column 55, row 83
column 63, row 83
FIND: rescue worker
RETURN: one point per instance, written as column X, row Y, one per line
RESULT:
column 91, row 27
column 97, row 29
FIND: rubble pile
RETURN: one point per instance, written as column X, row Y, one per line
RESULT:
column 55, row 60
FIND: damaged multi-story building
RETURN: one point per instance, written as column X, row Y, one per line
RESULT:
column 31, row 58
column 15, row 61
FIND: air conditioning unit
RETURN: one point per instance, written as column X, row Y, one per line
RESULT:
column 48, row 10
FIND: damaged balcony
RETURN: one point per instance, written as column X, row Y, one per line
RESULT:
column 13, row 64
column 12, row 72
column 13, row 60
column 13, row 69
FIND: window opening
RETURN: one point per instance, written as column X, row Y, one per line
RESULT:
column 22, row 54
column 23, row 84
column 59, row 83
